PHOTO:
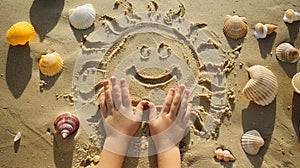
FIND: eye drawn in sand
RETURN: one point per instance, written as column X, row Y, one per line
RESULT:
column 153, row 51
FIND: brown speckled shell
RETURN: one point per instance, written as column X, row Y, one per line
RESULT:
column 235, row 27
column 66, row 124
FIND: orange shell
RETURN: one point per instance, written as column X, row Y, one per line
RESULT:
column 235, row 27
column 50, row 64
column 20, row 33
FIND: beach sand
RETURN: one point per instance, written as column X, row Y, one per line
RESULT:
column 30, row 108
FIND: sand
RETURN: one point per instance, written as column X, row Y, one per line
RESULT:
column 31, row 108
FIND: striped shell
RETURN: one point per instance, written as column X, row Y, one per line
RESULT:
column 287, row 53
column 66, row 124
column 20, row 33
column 235, row 27
column 291, row 16
column 296, row 82
column 251, row 142
column 50, row 64
column 223, row 155
column 262, row 30
column 262, row 87
column 82, row 17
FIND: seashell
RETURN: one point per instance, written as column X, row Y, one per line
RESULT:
column 296, row 82
column 17, row 137
column 82, row 17
column 223, row 154
column 291, row 16
column 235, row 27
column 262, row 87
column 287, row 53
column 251, row 142
column 262, row 30
column 50, row 63
column 20, row 33
column 66, row 124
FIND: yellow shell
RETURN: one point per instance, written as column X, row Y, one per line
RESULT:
column 20, row 33
column 50, row 64
column 262, row 87
column 235, row 27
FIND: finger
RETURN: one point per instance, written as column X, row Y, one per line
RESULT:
column 116, row 93
column 168, row 101
column 176, row 102
column 152, row 112
column 108, row 96
column 102, row 105
column 125, row 93
column 139, row 110
column 188, row 114
column 183, row 104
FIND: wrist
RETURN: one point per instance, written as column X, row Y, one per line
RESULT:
column 117, row 144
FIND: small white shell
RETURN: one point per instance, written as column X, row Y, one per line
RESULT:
column 252, row 141
column 82, row 17
column 262, row 30
column 262, row 87
column 296, row 83
column 17, row 137
column 287, row 53
column 223, row 155
column 291, row 16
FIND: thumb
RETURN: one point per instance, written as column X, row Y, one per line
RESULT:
column 152, row 112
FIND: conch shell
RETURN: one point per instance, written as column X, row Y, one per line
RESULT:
column 296, row 82
column 82, row 17
column 291, row 16
column 223, row 154
column 66, row 124
column 50, row 63
column 20, row 33
column 262, row 87
column 262, row 30
column 235, row 27
column 287, row 53
column 251, row 142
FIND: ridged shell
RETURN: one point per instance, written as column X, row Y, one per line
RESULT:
column 66, row 124
column 235, row 27
column 251, row 142
column 296, row 82
column 287, row 53
column 291, row 16
column 262, row 30
column 82, row 17
column 20, row 33
column 223, row 155
column 50, row 64
column 262, row 87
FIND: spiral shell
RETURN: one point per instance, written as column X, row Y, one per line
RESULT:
column 287, row 53
column 223, row 154
column 262, row 30
column 235, row 27
column 291, row 16
column 296, row 82
column 82, row 17
column 66, row 124
column 251, row 142
column 20, row 33
column 262, row 87
column 50, row 63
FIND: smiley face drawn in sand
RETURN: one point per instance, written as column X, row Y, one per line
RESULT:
column 153, row 51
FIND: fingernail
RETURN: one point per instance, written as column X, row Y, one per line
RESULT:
column 187, row 92
column 113, row 78
column 105, row 82
column 151, row 105
column 172, row 90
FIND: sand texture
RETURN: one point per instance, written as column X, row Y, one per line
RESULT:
column 154, row 45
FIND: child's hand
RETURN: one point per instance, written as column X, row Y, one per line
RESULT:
column 167, row 129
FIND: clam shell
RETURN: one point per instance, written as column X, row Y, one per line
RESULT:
column 287, row 53
column 82, row 17
column 251, row 142
column 262, row 30
column 291, row 16
column 235, row 27
column 17, row 137
column 296, row 82
column 20, row 33
column 262, row 87
column 66, row 124
column 223, row 154
column 50, row 64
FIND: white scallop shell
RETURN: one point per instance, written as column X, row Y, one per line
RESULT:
column 262, row 87
column 287, row 53
column 17, row 137
column 291, row 16
column 82, row 17
column 251, row 142
column 262, row 30
column 296, row 82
